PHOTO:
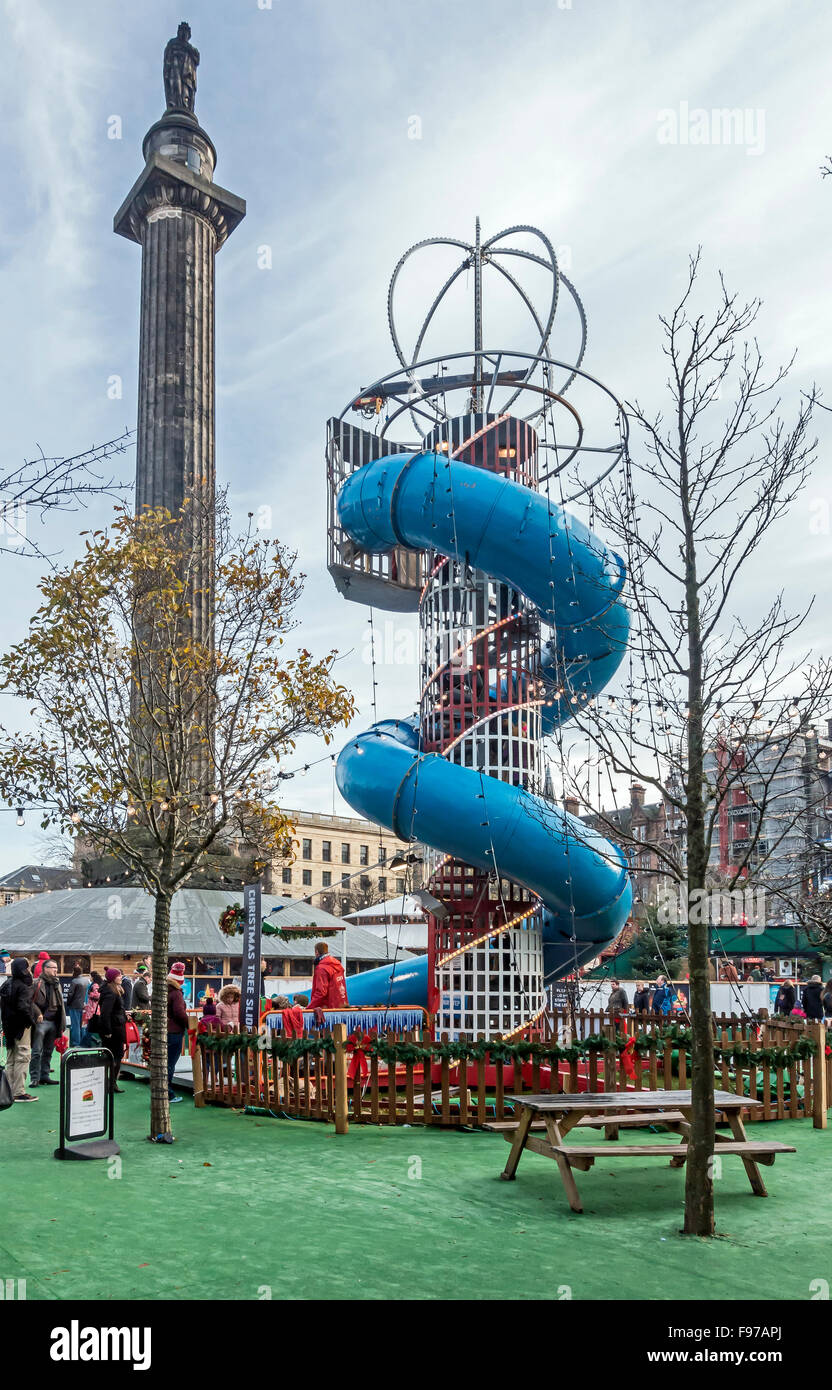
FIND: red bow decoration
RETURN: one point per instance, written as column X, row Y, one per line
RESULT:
column 358, row 1044
column 627, row 1058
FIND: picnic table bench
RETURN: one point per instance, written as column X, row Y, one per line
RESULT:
column 558, row 1114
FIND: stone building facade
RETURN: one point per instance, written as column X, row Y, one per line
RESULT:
column 343, row 863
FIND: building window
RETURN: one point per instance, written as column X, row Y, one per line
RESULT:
column 382, row 854
column 287, row 875
column 328, row 902
column 365, row 883
column 345, row 852
column 326, row 851
column 326, row 879
column 364, row 854
column 307, row 849
column 382, row 885
column 300, row 967
column 8, row 898
column 307, row 878
column 400, row 885
column 345, row 880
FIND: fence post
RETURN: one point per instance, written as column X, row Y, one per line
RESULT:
column 339, row 1035
column 820, row 1099
column 199, row 1082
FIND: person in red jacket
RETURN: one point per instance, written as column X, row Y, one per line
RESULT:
column 329, row 987
column 44, row 956
column 292, row 1014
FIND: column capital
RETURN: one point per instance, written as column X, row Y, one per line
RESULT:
column 170, row 188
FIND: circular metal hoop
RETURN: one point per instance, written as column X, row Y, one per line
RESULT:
column 479, row 255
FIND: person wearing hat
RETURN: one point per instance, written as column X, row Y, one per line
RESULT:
column 19, row 1015
column 228, row 1006
column 329, row 987
column 812, row 1001
column 177, row 1022
column 141, row 989
column 113, row 1029
column 209, row 1020
column 39, row 963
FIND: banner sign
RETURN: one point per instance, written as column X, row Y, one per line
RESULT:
column 86, row 1104
column 250, row 974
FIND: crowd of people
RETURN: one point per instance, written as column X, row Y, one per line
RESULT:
column 810, row 1000
column 99, row 1011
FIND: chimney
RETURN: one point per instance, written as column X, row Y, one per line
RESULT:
column 571, row 806
column 636, row 796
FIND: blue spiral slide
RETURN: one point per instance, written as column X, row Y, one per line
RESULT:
column 519, row 537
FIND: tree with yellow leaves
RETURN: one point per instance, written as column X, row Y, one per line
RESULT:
column 164, row 694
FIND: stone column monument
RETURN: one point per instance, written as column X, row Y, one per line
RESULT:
column 180, row 218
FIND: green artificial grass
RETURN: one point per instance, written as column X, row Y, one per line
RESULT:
column 240, row 1202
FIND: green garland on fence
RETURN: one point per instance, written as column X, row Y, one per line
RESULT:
column 289, row 1049
column 778, row 1056
column 525, row 1051
column 229, row 1042
column 293, row 1049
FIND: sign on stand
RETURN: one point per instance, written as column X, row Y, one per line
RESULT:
column 86, row 1109
column 250, row 974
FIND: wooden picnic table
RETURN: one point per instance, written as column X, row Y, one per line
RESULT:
column 612, row 1109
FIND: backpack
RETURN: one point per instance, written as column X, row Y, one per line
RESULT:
column 6, row 1097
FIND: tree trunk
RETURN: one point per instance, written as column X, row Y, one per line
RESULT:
column 699, row 1187
column 159, row 1107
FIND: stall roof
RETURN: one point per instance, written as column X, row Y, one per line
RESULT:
column 91, row 920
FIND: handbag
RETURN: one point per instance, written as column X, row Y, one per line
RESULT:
column 6, row 1097
column 62, row 1043
column 131, row 1033
column 93, row 1024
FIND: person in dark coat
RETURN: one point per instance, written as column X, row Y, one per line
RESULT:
column 113, row 1032
column 812, row 1003
column 141, row 993
column 785, row 998
column 19, row 1015
column 49, row 1000
column 127, row 991
column 641, row 998
column 75, row 1000
column 618, row 998
column 827, row 1003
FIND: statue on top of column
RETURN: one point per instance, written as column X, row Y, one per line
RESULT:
column 179, row 71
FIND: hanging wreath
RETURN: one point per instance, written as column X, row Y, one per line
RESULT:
column 232, row 920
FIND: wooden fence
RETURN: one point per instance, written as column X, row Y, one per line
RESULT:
column 330, row 1082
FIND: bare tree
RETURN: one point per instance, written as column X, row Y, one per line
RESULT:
column 59, row 483
column 714, row 706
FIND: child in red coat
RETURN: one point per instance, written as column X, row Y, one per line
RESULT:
column 293, row 1015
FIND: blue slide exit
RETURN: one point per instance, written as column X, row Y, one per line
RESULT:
column 522, row 539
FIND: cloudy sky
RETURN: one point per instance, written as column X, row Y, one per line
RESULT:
column 534, row 112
